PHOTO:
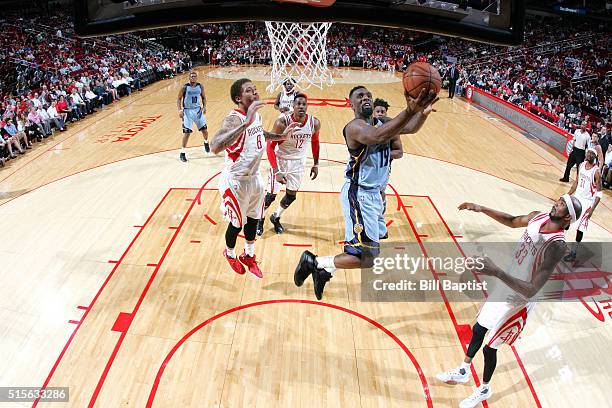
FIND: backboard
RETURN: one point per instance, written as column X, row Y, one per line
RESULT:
column 493, row 21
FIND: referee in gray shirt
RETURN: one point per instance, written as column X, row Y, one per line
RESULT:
column 581, row 138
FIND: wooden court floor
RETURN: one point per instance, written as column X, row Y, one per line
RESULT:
column 113, row 283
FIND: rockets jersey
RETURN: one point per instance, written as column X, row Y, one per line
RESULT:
column 296, row 147
column 242, row 157
column 586, row 188
column 529, row 252
column 286, row 100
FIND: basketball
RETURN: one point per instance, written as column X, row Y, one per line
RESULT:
column 421, row 75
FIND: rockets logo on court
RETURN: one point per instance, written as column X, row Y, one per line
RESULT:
column 588, row 284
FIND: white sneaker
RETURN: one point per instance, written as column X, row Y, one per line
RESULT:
column 480, row 394
column 454, row 376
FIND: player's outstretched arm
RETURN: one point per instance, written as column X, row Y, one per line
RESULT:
column 277, row 102
column 528, row 289
column 287, row 132
column 279, row 126
column 512, row 221
column 361, row 132
column 416, row 122
column 397, row 150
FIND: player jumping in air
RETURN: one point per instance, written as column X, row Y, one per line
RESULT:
column 368, row 142
column 243, row 139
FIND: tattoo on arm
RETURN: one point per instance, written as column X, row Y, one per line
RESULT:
column 231, row 128
column 273, row 136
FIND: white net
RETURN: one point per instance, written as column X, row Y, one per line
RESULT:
column 298, row 53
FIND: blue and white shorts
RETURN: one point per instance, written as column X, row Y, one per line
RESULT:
column 191, row 116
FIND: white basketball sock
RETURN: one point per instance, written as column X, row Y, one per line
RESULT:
column 249, row 249
column 231, row 252
column 278, row 211
column 465, row 366
column 182, row 150
column 327, row 263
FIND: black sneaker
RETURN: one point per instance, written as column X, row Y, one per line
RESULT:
column 305, row 267
column 320, row 277
column 260, row 226
column 278, row 228
column 183, row 158
column 206, row 147
column 564, row 180
column 269, row 200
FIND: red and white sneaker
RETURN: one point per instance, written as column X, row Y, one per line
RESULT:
column 251, row 263
column 234, row 263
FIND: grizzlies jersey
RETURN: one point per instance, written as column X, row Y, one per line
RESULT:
column 369, row 165
column 192, row 96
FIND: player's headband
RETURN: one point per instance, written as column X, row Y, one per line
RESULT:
column 570, row 206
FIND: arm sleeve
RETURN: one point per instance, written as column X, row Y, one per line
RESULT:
column 315, row 147
column 270, row 146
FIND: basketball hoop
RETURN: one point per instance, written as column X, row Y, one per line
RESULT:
column 299, row 53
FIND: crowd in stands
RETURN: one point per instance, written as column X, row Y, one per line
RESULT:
column 561, row 73
column 49, row 78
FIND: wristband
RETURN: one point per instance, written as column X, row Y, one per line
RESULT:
column 599, row 194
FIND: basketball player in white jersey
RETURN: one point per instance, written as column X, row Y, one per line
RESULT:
column 243, row 139
column 599, row 153
column 288, row 158
column 397, row 152
column 538, row 252
column 192, row 107
column 587, row 189
column 284, row 99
